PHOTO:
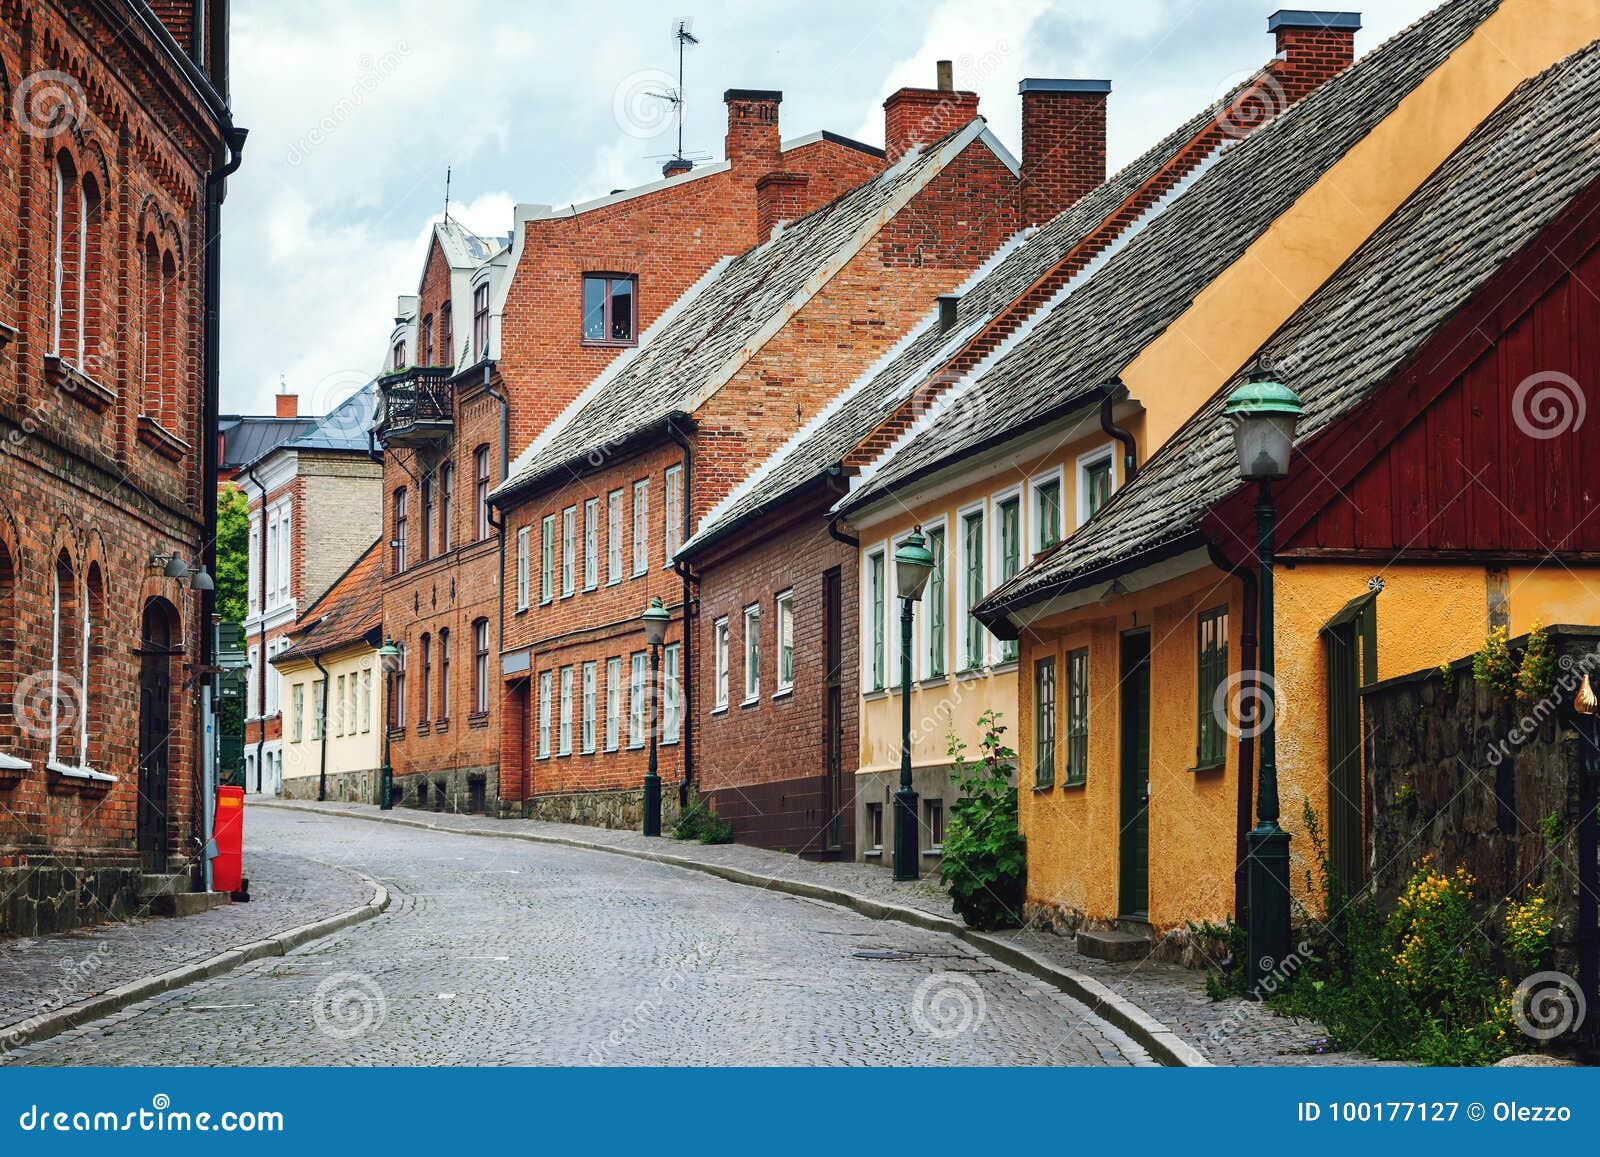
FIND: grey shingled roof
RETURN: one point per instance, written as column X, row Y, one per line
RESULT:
column 1089, row 338
column 1506, row 183
column 727, row 311
column 246, row 437
column 345, row 427
column 825, row 444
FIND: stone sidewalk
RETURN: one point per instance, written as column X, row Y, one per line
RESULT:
column 1231, row 1032
column 39, row 976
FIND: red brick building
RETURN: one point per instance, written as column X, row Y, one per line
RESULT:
column 499, row 338
column 113, row 155
column 597, row 508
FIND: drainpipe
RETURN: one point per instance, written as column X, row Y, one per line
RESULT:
column 1110, row 394
column 1245, row 812
column 261, row 634
column 685, row 682
column 322, row 730
column 211, row 342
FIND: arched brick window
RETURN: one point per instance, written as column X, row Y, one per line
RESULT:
column 8, row 650
column 66, row 246
column 444, row 675
column 447, row 353
column 91, row 283
column 171, row 346
column 91, row 737
column 425, row 708
column 154, row 309
column 480, row 667
column 447, row 497
column 427, row 518
column 425, row 345
column 66, row 626
column 401, row 520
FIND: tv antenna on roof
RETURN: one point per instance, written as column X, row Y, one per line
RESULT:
column 684, row 37
column 447, row 194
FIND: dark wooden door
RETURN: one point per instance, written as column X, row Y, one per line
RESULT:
column 833, row 710
column 1134, row 850
column 155, row 720
column 1344, row 754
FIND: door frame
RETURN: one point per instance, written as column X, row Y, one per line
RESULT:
column 152, row 809
column 1350, row 654
column 833, row 705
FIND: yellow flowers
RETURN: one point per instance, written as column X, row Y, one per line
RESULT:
column 1527, row 928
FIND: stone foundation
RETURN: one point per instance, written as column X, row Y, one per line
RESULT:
column 474, row 791
column 1182, row 946
column 343, row 786
column 601, row 809
column 37, row 900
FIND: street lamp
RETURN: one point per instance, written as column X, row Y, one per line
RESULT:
column 388, row 656
column 913, row 563
column 1264, row 413
column 655, row 620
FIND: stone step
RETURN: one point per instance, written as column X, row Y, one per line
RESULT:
column 1113, row 946
column 186, row 903
column 162, row 884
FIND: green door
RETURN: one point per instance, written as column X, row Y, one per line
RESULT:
column 1351, row 641
column 1134, row 889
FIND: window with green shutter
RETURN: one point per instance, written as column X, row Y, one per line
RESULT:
column 1009, row 512
column 1047, row 508
column 1077, row 753
column 936, row 604
column 876, row 595
column 1212, row 669
column 972, row 533
column 1044, row 723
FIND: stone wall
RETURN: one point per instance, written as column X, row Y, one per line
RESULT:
column 343, row 786
column 604, row 809
column 36, row 901
column 1458, row 773
column 474, row 790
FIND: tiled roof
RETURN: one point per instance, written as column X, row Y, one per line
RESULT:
column 1505, row 184
column 1101, row 327
column 350, row 610
column 728, row 313
column 826, row 440
column 345, row 427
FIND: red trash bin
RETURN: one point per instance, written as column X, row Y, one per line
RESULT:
column 227, row 870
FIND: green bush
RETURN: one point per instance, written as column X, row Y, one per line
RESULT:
column 698, row 822
column 985, row 865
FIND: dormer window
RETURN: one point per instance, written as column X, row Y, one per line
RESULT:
column 480, row 323
column 399, row 356
column 610, row 309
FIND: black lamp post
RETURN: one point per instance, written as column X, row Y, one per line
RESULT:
column 388, row 656
column 913, row 563
column 655, row 619
column 1264, row 413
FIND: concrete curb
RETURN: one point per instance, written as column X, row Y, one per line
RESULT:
column 45, row 1025
column 1160, row 1041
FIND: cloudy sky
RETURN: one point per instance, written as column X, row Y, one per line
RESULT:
column 356, row 108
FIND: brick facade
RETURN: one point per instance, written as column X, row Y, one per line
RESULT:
column 103, row 439
column 666, row 236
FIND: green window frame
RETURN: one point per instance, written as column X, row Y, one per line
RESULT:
column 1076, row 772
column 1044, row 722
column 1097, row 484
column 972, row 644
column 1211, row 665
column 1009, row 514
column 936, row 604
column 1047, row 503
column 877, row 594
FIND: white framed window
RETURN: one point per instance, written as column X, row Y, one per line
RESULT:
column 973, row 584
column 752, row 653
column 614, row 537
column 935, row 615
column 1045, row 526
column 569, row 550
column 318, row 715
column 785, row 618
column 613, row 702
column 641, row 526
column 720, row 663
column 338, row 706
column 1097, row 480
column 366, row 699
column 523, row 535
column 671, row 717
column 875, row 604
column 254, row 578
column 252, row 693
column 564, row 727
column 1008, row 559
column 272, row 549
column 672, row 503
column 636, row 688
column 299, row 697
column 545, row 711
column 547, row 558
column 586, row 736
column 591, row 544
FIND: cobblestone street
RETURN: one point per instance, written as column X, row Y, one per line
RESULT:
column 503, row 952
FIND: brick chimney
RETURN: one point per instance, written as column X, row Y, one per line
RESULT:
column 780, row 198
column 915, row 116
column 1063, row 143
column 752, row 144
column 1312, row 47
column 288, row 405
